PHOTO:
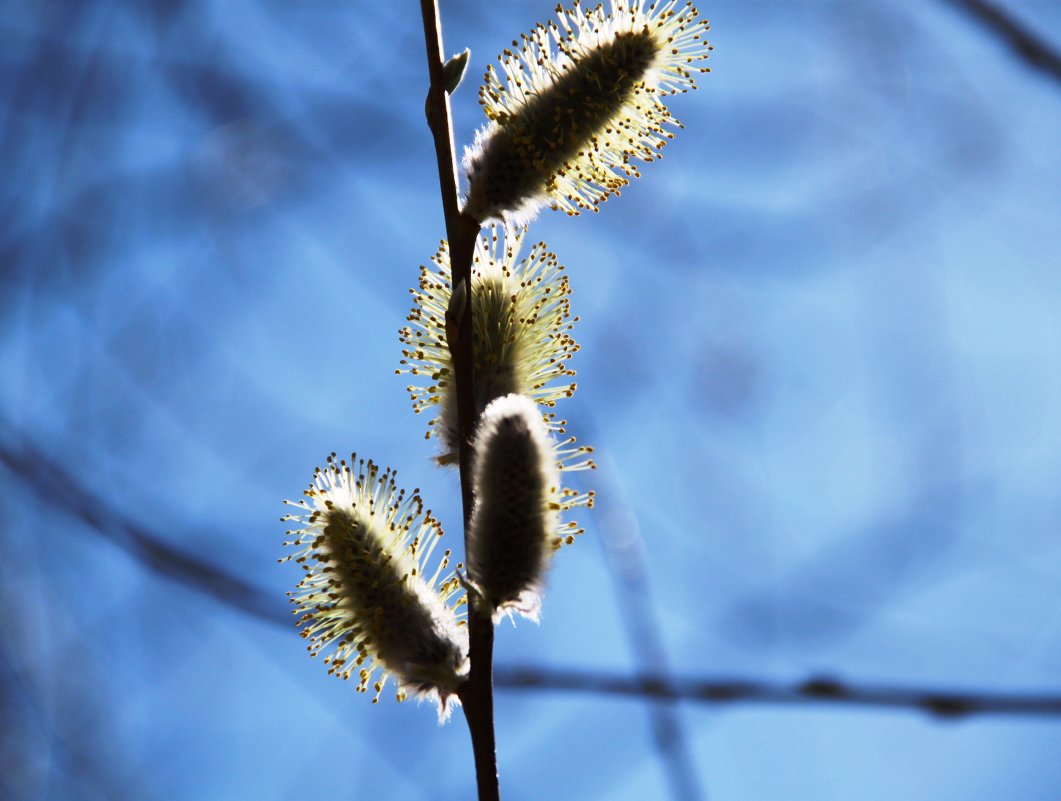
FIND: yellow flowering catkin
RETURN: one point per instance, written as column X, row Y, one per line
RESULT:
column 522, row 321
column 364, row 597
column 566, row 122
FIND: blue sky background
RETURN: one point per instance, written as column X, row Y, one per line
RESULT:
column 821, row 363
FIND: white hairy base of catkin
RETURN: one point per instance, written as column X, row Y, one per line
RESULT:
column 517, row 489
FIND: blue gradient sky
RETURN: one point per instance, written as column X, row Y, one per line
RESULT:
column 821, row 363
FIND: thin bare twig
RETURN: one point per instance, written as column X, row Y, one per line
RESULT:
column 821, row 690
column 476, row 694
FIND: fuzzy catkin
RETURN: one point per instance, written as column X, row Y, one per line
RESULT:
column 518, row 159
column 517, row 489
column 521, row 320
column 366, row 598
column 575, row 102
column 401, row 616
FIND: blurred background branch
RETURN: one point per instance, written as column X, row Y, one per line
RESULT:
column 1022, row 40
column 835, row 448
column 53, row 485
column 620, row 537
column 816, row 691
column 56, row 487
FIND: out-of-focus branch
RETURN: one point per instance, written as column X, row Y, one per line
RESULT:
column 58, row 488
column 1022, row 40
column 822, row 690
column 624, row 551
column 42, row 477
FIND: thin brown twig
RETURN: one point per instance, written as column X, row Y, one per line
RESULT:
column 477, row 694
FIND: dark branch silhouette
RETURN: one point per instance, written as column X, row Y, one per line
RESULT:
column 1025, row 43
column 822, row 690
column 42, row 476
column 58, row 488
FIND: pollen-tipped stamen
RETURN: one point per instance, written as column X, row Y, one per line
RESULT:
column 522, row 322
column 566, row 122
column 364, row 546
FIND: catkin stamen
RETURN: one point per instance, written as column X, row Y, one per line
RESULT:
column 522, row 326
column 576, row 102
column 363, row 600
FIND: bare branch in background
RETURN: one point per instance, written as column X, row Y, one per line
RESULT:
column 816, row 691
column 624, row 551
column 41, row 475
column 58, row 488
column 1025, row 43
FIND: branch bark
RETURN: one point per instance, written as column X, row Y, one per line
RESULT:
column 477, row 694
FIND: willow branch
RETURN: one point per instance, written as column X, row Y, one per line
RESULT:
column 477, row 693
